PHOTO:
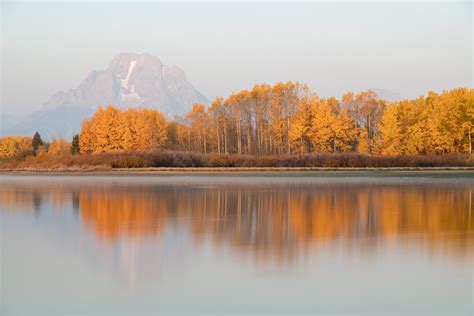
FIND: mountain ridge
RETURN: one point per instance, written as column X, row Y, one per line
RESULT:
column 130, row 80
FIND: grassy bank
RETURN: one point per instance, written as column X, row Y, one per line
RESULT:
column 177, row 160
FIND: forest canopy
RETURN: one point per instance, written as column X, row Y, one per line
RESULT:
column 287, row 118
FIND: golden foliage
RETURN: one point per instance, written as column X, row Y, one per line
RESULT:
column 284, row 118
column 300, row 129
column 390, row 132
column 12, row 145
column 115, row 130
column 59, row 147
column 323, row 128
column 438, row 123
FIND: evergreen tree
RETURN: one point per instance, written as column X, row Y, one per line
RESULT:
column 75, row 147
column 37, row 141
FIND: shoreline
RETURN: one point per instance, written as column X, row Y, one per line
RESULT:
column 275, row 171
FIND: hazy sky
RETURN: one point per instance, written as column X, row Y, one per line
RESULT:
column 408, row 47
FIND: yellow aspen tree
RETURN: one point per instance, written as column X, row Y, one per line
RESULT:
column 322, row 131
column 128, row 119
column 301, row 127
column 390, row 131
column 143, row 130
column 215, row 125
column 9, row 146
column 412, row 137
column 113, row 130
column 441, row 123
column 172, row 140
column 159, row 135
column 460, row 103
column 363, row 142
column 151, row 130
column 87, row 138
column 345, row 132
column 284, row 103
column 198, row 118
column 59, row 147
column 12, row 145
column 467, row 121
column 260, row 96
column 99, row 126
column 183, row 132
column 277, row 117
column 367, row 110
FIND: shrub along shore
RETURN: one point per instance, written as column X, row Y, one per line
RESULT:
column 176, row 160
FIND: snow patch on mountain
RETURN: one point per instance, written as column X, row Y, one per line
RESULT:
column 163, row 72
column 131, row 96
column 128, row 93
column 124, row 82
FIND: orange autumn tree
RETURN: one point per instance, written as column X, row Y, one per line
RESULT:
column 435, row 124
column 345, row 132
column 59, row 147
column 199, row 123
column 283, row 106
column 145, row 129
column 366, row 109
column 450, row 120
column 116, row 130
column 301, row 124
column 390, row 133
column 323, row 133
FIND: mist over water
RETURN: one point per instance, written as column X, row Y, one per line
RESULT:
column 204, row 244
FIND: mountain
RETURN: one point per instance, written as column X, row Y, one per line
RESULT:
column 130, row 80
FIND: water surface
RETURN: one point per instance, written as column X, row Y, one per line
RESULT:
column 236, row 244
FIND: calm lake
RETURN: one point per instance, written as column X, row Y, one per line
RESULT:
column 216, row 244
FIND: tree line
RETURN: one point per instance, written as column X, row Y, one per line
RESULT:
column 18, row 147
column 286, row 118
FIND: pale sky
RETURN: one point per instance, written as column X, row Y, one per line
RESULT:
column 408, row 47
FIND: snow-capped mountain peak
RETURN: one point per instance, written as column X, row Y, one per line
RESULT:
column 130, row 80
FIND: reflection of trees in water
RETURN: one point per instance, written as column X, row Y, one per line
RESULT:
column 273, row 221
column 382, row 214
column 119, row 213
column 75, row 202
column 31, row 197
column 14, row 198
column 36, row 203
